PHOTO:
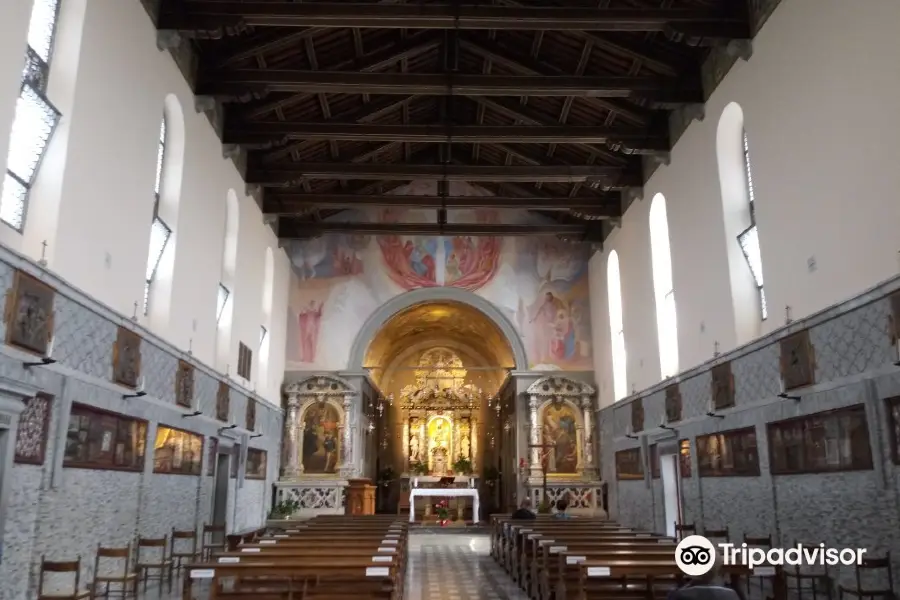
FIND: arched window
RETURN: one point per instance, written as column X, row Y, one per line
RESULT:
column 35, row 118
column 160, row 232
column 739, row 213
column 661, row 257
column 616, row 327
column 267, row 301
column 225, row 294
column 749, row 238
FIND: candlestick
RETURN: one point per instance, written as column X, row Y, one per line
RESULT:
column 50, row 347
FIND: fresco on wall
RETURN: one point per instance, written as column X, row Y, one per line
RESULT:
column 540, row 284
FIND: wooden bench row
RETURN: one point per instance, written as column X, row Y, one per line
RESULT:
column 335, row 558
column 555, row 559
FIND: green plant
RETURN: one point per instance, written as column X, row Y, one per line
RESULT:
column 443, row 513
column 419, row 468
column 463, row 466
column 491, row 474
column 544, row 507
column 284, row 509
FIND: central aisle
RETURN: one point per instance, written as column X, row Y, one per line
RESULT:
column 455, row 566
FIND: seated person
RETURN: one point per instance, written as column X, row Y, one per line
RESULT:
column 524, row 511
column 561, row 507
column 704, row 588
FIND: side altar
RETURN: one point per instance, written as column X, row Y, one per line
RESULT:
column 320, row 449
column 561, row 460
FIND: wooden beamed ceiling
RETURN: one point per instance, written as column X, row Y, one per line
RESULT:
column 553, row 107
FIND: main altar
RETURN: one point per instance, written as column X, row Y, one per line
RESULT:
column 440, row 415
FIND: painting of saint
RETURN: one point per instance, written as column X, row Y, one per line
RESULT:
column 471, row 262
column 321, row 439
column 328, row 257
column 411, row 262
column 560, row 431
column 309, row 320
column 553, row 339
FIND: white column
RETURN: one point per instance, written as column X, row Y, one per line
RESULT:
column 587, row 408
column 534, row 438
column 292, row 439
column 347, row 468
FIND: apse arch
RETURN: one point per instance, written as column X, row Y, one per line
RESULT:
column 397, row 304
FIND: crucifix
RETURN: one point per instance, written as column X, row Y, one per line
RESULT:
column 546, row 448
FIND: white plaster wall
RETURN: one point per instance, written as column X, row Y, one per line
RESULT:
column 93, row 199
column 818, row 97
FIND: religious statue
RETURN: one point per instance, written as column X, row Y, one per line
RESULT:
column 414, row 449
column 464, row 446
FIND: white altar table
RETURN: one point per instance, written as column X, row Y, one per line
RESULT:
column 443, row 493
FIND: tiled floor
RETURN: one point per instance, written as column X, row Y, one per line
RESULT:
column 455, row 566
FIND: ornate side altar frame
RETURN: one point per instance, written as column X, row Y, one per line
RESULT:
column 318, row 494
column 583, row 488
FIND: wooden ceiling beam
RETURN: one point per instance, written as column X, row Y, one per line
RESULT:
column 194, row 15
column 291, row 229
column 281, row 176
column 287, row 203
column 256, row 133
column 238, row 82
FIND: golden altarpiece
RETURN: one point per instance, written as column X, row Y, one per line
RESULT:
column 439, row 419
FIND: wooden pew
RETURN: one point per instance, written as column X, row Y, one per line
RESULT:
column 334, row 559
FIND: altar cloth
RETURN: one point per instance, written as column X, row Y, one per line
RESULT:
column 443, row 493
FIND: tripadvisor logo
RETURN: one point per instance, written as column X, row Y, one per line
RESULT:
column 695, row 555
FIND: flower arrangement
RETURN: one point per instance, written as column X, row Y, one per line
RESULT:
column 442, row 510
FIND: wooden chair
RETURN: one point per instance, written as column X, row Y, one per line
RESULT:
column 71, row 566
column 179, row 556
column 145, row 566
column 682, row 530
column 125, row 579
column 209, row 541
column 871, row 566
column 819, row 580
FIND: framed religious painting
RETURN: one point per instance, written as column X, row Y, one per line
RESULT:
column 127, row 358
column 722, row 386
column 184, row 384
column 673, row 403
column 34, row 425
column 223, row 402
column 251, row 414
column 29, row 314
column 637, row 415
column 798, row 362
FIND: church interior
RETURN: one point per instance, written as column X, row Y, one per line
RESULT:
column 306, row 299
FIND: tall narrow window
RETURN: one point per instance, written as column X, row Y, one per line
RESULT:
column 661, row 257
column 749, row 238
column 221, row 301
column 35, row 118
column 616, row 328
column 159, row 231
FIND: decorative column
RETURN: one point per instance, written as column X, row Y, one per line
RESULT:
column 534, row 438
column 473, row 444
column 293, row 468
column 587, row 407
column 346, row 468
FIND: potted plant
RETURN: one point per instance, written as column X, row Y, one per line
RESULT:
column 418, row 468
column 284, row 509
column 545, row 507
column 463, row 466
column 443, row 512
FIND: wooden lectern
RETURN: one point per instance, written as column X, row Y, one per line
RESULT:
column 360, row 497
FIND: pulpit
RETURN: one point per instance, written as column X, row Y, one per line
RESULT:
column 360, row 497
